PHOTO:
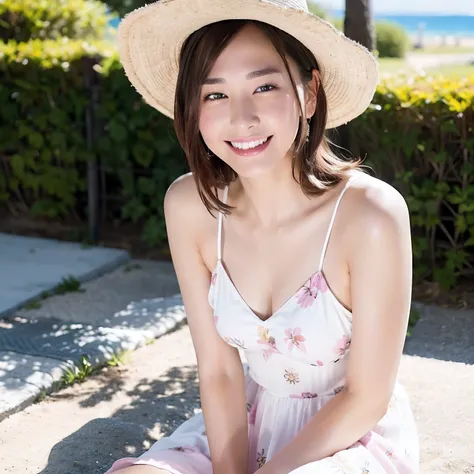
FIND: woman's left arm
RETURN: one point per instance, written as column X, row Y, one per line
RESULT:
column 379, row 256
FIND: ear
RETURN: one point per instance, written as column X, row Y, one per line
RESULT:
column 311, row 93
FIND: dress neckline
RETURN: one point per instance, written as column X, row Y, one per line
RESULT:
column 282, row 307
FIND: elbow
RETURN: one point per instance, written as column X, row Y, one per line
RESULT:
column 373, row 405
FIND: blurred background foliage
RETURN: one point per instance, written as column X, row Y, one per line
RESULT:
column 57, row 73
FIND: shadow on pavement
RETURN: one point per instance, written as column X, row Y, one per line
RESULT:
column 161, row 404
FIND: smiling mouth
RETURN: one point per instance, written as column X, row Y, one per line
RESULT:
column 248, row 145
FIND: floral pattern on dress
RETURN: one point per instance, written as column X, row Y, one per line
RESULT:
column 307, row 295
column 291, row 376
column 295, row 339
column 319, row 363
column 261, row 458
column 236, row 342
column 342, row 347
column 305, row 395
column 268, row 341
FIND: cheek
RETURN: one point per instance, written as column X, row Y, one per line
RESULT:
column 285, row 117
column 210, row 121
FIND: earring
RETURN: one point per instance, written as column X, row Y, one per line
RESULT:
column 308, row 130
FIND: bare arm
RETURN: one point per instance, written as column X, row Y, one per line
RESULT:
column 380, row 263
column 221, row 376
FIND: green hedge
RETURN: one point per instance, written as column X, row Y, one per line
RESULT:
column 23, row 20
column 43, row 145
column 418, row 135
column 392, row 40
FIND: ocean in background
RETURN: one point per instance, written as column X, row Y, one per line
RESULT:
column 434, row 25
column 461, row 26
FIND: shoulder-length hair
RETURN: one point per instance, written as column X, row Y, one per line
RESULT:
column 319, row 168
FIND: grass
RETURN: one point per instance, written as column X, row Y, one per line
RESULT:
column 398, row 66
column 67, row 285
column 444, row 50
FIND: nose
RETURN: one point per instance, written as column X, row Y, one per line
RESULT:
column 243, row 114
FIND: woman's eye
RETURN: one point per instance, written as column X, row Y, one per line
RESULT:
column 266, row 88
column 214, row 96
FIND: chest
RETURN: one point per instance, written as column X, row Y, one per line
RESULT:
column 311, row 326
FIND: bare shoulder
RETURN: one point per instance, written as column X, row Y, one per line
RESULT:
column 182, row 196
column 183, row 204
column 376, row 205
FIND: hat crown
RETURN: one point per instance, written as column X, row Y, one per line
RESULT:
column 296, row 4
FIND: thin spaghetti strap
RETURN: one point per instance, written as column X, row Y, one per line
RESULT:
column 219, row 225
column 333, row 218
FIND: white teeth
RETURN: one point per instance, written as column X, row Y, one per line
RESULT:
column 248, row 145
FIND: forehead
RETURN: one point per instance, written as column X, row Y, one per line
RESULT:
column 249, row 49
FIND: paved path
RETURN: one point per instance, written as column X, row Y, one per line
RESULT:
column 31, row 266
column 119, row 311
column 120, row 412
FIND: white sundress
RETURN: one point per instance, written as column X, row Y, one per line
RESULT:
column 297, row 360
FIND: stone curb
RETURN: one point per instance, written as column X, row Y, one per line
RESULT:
column 23, row 376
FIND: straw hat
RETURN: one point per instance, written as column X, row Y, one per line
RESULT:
column 150, row 40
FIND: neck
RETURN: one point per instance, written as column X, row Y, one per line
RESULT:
column 272, row 199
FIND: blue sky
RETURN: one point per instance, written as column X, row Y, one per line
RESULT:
column 412, row 6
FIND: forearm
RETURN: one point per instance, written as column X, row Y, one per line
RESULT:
column 225, row 415
column 338, row 425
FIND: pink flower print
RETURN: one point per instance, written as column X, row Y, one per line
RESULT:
column 268, row 341
column 319, row 363
column 389, row 453
column 216, row 319
column 309, row 292
column 253, row 414
column 305, row 395
column 342, row 347
column 294, row 338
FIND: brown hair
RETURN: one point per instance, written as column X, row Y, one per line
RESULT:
column 319, row 167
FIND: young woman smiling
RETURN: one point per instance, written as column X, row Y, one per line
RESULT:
column 282, row 250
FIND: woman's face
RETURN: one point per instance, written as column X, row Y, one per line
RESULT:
column 249, row 113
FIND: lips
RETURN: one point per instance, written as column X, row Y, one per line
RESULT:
column 250, row 151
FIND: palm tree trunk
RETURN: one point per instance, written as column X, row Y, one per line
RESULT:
column 359, row 24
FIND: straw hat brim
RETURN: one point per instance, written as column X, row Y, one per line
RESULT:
column 150, row 39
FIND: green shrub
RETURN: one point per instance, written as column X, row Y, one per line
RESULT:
column 391, row 39
column 43, row 145
column 418, row 135
column 22, row 20
column 317, row 9
column 122, row 7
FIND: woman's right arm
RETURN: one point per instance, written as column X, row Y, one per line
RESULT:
column 221, row 375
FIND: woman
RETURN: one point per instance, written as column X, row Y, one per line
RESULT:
column 251, row 100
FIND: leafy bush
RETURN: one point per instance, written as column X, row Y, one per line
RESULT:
column 317, row 9
column 22, row 20
column 391, row 39
column 122, row 7
column 419, row 136
column 43, row 145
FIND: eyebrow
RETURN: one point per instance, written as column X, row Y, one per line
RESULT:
column 251, row 75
